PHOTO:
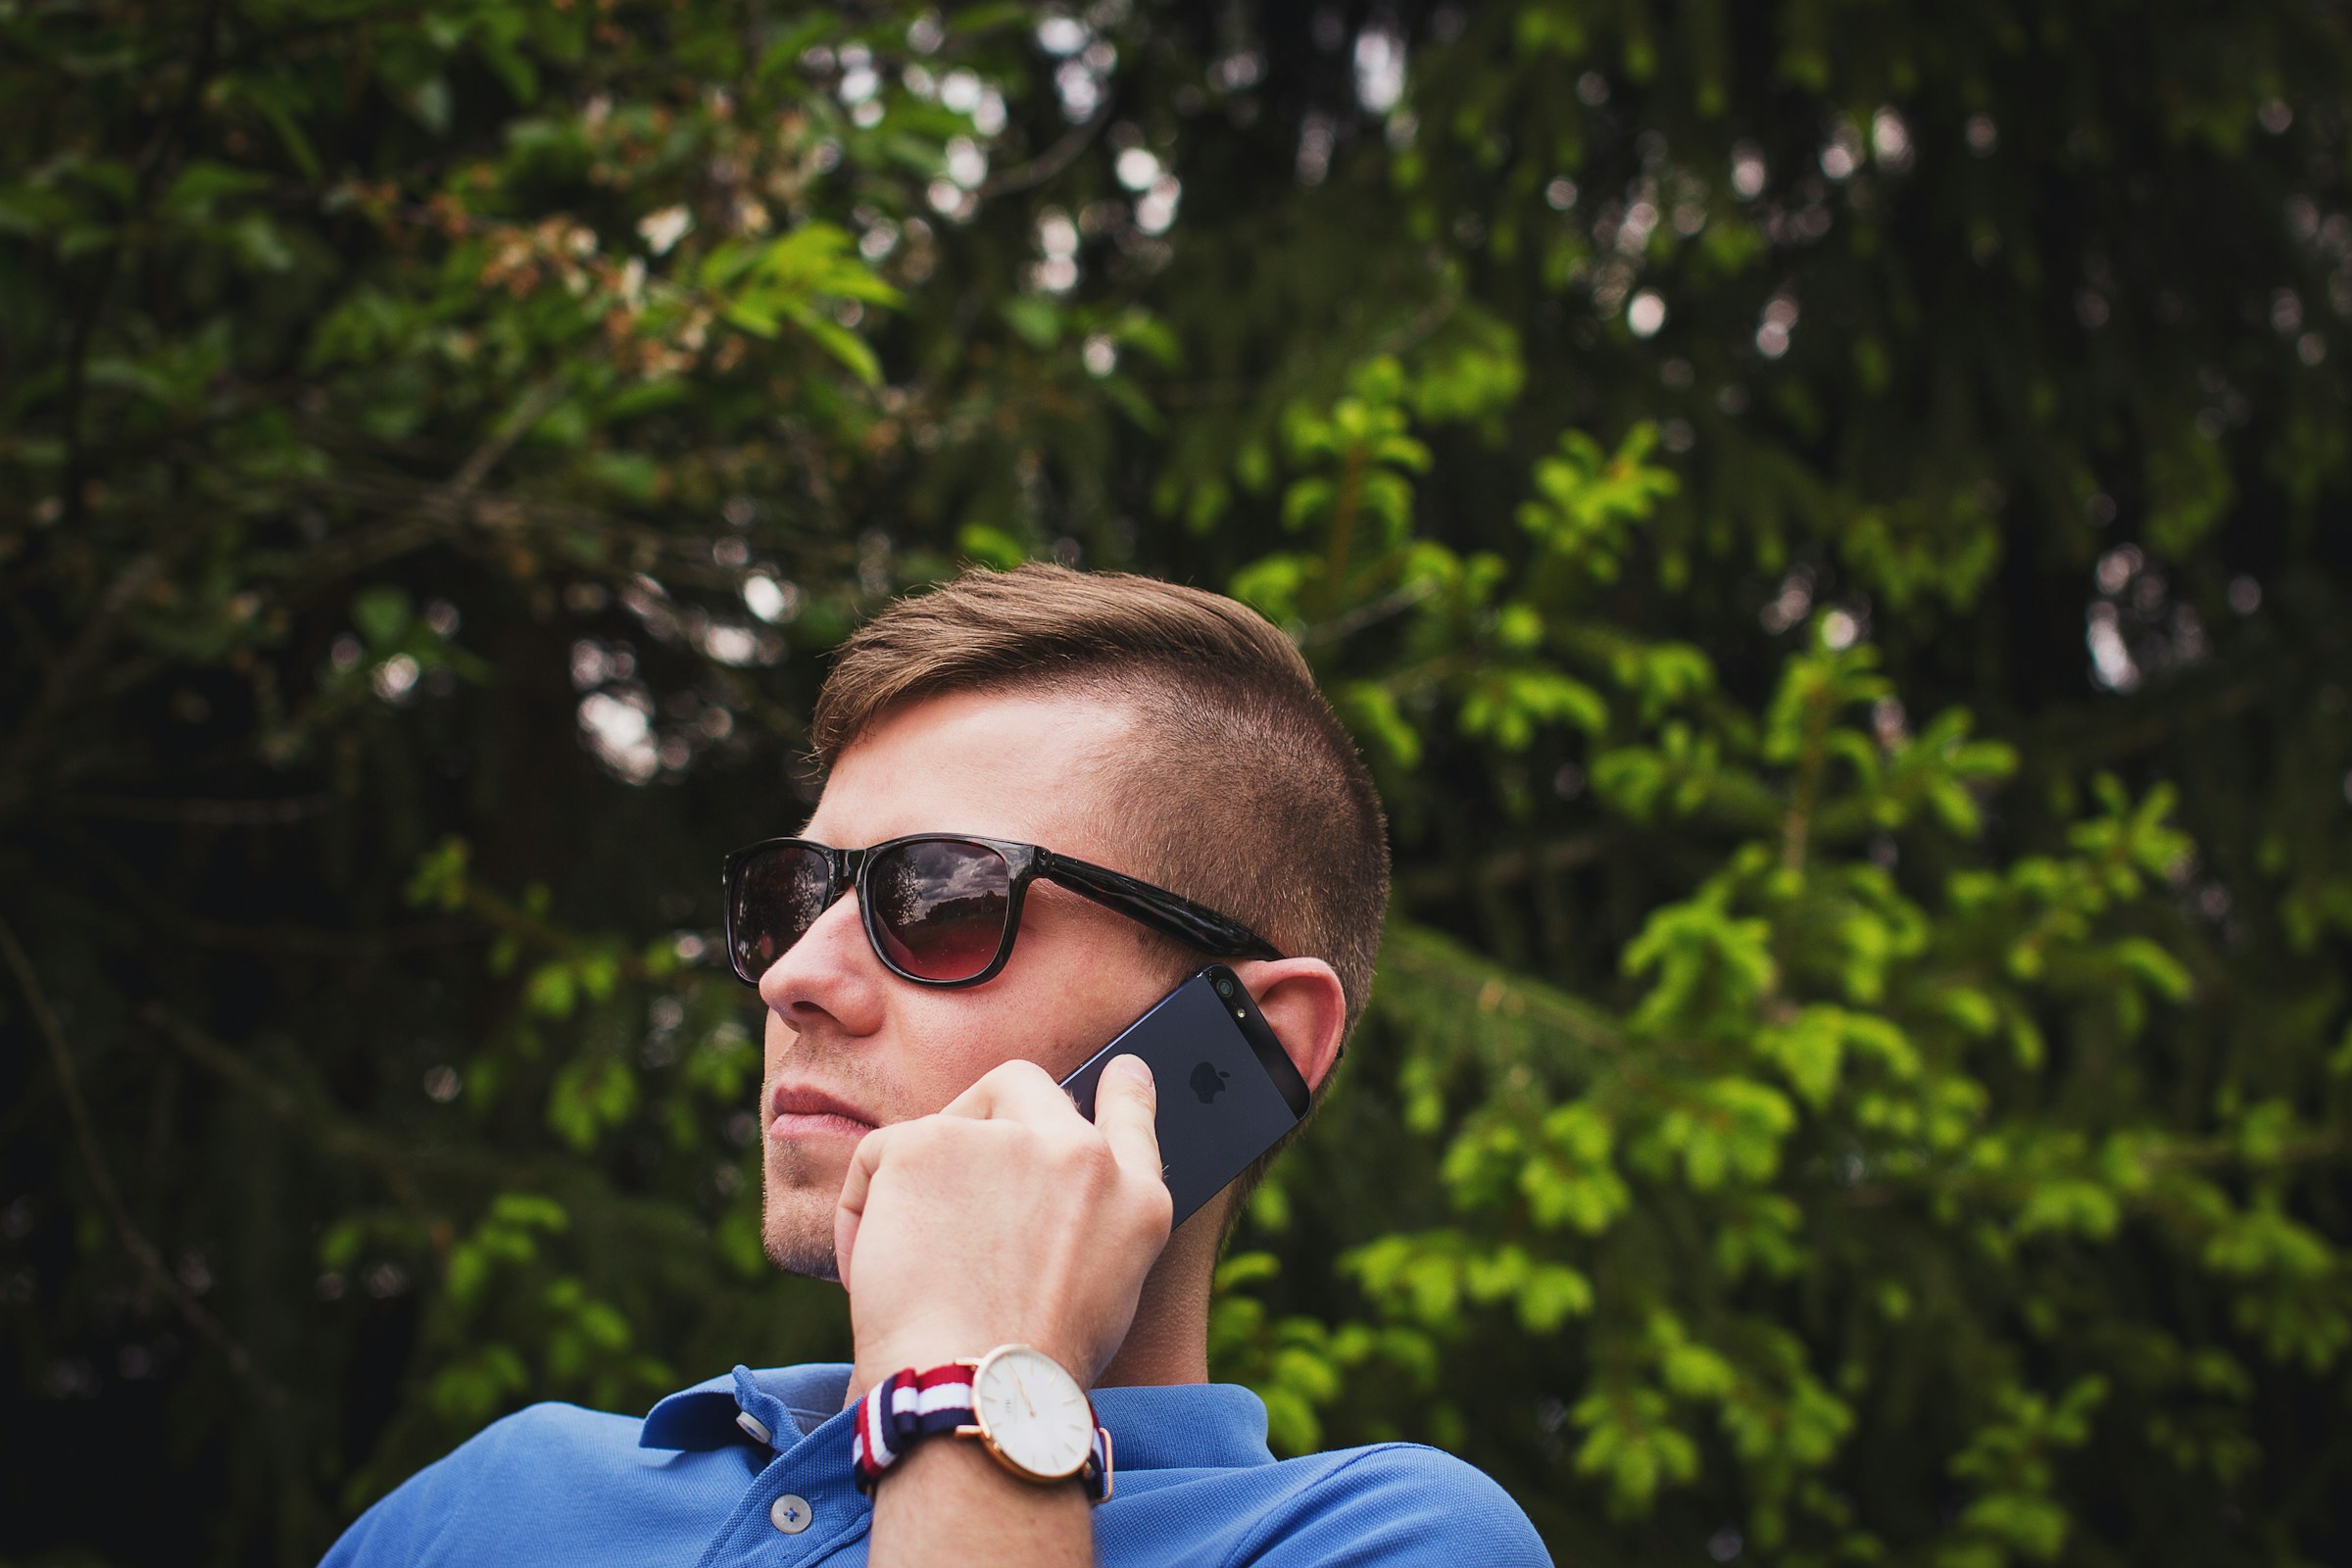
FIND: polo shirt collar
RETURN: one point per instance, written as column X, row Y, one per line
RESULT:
column 1206, row 1426
column 705, row 1416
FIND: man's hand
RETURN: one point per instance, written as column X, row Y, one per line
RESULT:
column 1006, row 1218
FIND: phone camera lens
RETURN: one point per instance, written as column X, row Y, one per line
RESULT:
column 1225, row 989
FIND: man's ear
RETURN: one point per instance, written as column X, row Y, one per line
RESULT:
column 1303, row 1002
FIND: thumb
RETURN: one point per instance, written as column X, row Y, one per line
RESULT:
column 1126, row 1108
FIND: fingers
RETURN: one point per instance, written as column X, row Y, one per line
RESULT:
column 1047, row 1222
column 1126, row 1106
column 1014, row 1090
column 855, row 1186
column 1021, row 1102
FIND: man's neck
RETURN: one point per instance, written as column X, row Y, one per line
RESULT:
column 1168, row 1342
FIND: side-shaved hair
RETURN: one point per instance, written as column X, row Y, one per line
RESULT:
column 1241, row 790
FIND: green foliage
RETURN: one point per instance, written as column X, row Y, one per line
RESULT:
column 1817, row 520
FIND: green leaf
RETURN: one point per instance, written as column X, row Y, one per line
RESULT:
column 383, row 616
column 1035, row 319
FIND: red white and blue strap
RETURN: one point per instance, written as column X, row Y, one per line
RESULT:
column 908, row 1406
column 903, row 1409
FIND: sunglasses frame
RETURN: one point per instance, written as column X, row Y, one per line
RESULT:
column 1170, row 914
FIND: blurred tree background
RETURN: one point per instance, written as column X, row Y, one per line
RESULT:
column 1827, row 519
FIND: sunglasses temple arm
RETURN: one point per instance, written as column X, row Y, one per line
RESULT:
column 1164, row 911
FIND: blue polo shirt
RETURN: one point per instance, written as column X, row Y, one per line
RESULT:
column 696, row 1483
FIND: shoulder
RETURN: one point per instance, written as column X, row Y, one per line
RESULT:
column 541, row 1440
column 1396, row 1503
column 542, row 1452
column 539, row 1434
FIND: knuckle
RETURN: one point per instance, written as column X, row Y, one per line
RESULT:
column 1080, row 1150
column 1153, row 1212
column 1013, row 1072
column 928, row 1139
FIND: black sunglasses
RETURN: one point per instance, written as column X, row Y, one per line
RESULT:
column 940, row 908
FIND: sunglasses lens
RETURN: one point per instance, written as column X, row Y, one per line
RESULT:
column 773, row 901
column 939, row 907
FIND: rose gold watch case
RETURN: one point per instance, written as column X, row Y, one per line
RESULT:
column 979, row 1424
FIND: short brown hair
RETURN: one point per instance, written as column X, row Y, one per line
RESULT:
column 1261, row 809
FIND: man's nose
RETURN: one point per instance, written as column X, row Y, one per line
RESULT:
column 831, row 970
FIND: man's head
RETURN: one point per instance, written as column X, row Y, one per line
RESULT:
column 1161, row 731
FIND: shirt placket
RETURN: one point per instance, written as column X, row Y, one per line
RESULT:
column 803, row 1507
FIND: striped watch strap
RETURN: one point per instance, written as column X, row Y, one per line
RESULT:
column 908, row 1406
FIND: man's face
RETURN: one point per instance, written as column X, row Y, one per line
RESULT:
column 850, row 1045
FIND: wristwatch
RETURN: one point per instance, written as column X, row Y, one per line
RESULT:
column 1022, row 1405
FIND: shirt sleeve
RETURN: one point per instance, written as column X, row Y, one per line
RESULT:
column 1398, row 1506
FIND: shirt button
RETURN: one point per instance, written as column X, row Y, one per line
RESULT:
column 756, row 1428
column 791, row 1513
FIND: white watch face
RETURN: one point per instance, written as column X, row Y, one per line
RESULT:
column 1033, row 1412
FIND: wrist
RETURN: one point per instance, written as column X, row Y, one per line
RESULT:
column 1022, row 1406
column 922, row 1347
column 916, row 1352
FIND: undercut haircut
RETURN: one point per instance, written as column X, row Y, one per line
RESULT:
column 1241, row 789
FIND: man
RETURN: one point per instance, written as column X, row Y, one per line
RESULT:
column 924, row 999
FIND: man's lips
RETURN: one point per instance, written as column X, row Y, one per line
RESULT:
column 794, row 1113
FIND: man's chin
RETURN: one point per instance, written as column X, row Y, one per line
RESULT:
column 796, row 1254
column 797, row 1242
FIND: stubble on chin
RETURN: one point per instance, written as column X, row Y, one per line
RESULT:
column 796, row 1227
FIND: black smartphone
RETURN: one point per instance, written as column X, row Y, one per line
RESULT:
column 1228, row 1092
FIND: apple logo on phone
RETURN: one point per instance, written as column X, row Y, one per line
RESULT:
column 1208, row 1082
